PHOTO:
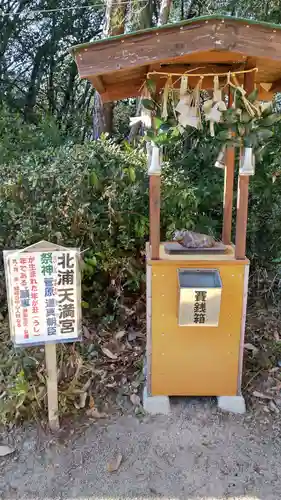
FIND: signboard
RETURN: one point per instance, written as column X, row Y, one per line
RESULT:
column 44, row 294
column 199, row 297
column 199, row 307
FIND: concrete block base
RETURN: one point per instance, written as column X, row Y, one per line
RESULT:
column 232, row 404
column 156, row 405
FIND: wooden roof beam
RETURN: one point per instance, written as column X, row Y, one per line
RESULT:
column 171, row 42
column 97, row 82
column 276, row 86
column 122, row 91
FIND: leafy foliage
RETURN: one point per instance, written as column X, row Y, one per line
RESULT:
column 250, row 122
column 196, row 155
column 38, row 75
column 94, row 197
column 18, row 137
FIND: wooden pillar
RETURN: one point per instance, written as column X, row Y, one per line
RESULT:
column 154, row 215
column 243, row 191
column 228, row 188
column 242, row 216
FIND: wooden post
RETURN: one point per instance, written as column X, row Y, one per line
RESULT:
column 52, row 386
column 228, row 188
column 154, row 215
column 242, row 216
column 243, row 192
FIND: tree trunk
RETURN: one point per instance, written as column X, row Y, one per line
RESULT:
column 162, row 19
column 114, row 25
column 140, row 15
column 86, row 114
column 98, row 117
column 191, row 9
column 34, row 83
column 115, row 17
column 62, row 115
column 143, row 21
column 182, row 10
column 50, row 82
column 164, row 12
column 279, row 13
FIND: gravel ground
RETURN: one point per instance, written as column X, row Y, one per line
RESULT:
column 196, row 453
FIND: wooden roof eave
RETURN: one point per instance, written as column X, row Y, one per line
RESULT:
column 274, row 28
column 170, row 43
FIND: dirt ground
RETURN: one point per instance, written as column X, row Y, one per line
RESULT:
column 196, row 453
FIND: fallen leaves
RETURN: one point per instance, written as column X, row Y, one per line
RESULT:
column 252, row 348
column 120, row 335
column 260, row 395
column 262, row 374
column 82, row 401
column 104, row 365
column 115, row 463
column 108, row 353
column 86, row 332
column 83, row 395
column 276, row 336
column 273, row 407
column 6, row 450
column 94, row 413
column 135, row 399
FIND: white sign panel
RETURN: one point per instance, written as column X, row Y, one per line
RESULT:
column 44, row 295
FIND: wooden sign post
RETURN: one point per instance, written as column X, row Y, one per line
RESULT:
column 52, row 386
column 44, row 300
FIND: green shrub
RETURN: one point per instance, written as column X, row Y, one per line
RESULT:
column 18, row 138
column 94, row 196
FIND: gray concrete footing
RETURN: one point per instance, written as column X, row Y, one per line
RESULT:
column 156, row 405
column 232, row 404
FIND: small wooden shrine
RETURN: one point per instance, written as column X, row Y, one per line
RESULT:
column 196, row 301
